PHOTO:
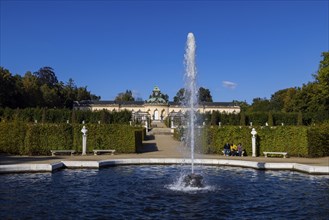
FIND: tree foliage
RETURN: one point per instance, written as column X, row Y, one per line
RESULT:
column 46, row 75
column 310, row 101
column 39, row 89
column 179, row 97
column 260, row 105
column 43, row 89
column 125, row 96
column 204, row 95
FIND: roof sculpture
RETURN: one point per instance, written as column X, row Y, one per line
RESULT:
column 156, row 97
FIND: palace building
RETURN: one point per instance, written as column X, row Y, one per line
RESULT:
column 155, row 108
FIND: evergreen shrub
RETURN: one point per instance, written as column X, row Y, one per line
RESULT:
column 38, row 139
column 318, row 137
column 217, row 136
column 12, row 137
column 121, row 138
column 45, row 115
column 298, row 141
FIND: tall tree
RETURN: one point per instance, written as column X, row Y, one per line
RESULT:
column 83, row 94
column 33, row 94
column 277, row 100
column 179, row 97
column 125, row 96
column 289, row 101
column 39, row 89
column 322, row 79
column 284, row 100
column 243, row 105
column 204, row 95
column 7, row 89
column 50, row 97
column 46, row 75
column 260, row 105
column 68, row 93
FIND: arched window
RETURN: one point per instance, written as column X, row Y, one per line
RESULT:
column 156, row 114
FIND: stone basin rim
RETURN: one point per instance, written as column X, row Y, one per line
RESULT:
column 25, row 168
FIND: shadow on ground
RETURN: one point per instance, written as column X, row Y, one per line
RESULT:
column 150, row 137
column 148, row 147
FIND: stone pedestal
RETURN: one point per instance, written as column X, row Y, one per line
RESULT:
column 84, row 140
column 253, row 142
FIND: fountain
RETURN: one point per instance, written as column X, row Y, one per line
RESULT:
column 191, row 105
column 140, row 192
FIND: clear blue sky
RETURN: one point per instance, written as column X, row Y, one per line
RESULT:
column 110, row 46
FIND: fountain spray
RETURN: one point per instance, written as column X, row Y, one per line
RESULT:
column 191, row 105
column 190, row 96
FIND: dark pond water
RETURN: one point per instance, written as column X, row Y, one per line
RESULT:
column 153, row 192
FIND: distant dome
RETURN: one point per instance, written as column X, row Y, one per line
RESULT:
column 156, row 100
column 156, row 96
column 156, row 89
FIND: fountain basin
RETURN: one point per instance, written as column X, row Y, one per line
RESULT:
column 320, row 170
column 149, row 192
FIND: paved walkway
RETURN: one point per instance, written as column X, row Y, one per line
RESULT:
column 159, row 146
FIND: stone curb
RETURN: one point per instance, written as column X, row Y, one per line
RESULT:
column 23, row 168
column 19, row 168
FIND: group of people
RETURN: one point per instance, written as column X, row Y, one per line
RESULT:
column 233, row 150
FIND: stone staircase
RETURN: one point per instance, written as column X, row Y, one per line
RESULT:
column 159, row 128
column 165, row 131
column 158, row 124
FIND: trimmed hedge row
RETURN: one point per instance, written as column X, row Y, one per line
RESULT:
column 45, row 115
column 12, row 137
column 319, row 140
column 296, row 140
column 215, row 138
column 38, row 139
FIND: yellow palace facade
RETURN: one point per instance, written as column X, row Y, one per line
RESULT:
column 155, row 108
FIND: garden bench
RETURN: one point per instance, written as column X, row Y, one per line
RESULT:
column 54, row 152
column 96, row 152
column 242, row 154
column 277, row 153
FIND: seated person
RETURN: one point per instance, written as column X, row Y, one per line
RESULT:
column 227, row 149
column 240, row 149
column 234, row 150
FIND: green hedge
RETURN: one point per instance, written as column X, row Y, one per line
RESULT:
column 104, row 136
column 318, row 137
column 41, row 138
column 291, row 139
column 38, row 139
column 296, row 140
column 216, row 137
column 12, row 137
column 44, row 115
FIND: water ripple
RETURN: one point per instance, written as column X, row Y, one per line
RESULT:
column 153, row 192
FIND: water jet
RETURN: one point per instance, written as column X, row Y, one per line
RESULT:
column 191, row 106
